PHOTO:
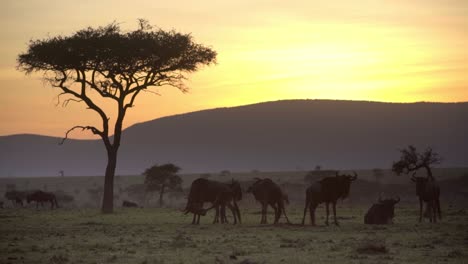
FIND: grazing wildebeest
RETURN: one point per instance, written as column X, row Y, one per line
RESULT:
column 428, row 191
column 382, row 212
column 219, row 194
column 328, row 190
column 16, row 197
column 126, row 203
column 41, row 197
column 269, row 193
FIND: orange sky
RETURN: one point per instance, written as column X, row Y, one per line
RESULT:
column 395, row 50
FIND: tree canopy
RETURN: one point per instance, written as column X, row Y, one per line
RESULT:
column 161, row 178
column 411, row 160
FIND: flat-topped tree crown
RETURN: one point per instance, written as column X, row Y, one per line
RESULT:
column 411, row 160
column 117, row 66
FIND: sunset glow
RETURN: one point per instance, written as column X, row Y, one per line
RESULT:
column 391, row 51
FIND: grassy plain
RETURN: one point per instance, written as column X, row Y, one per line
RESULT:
column 164, row 235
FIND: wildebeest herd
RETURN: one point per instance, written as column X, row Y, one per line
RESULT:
column 327, row 190
column 38, row 196
column 269, row 194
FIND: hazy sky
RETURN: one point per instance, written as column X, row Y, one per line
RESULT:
column 395, row 51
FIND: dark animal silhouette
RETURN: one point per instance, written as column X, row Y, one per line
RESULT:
column 41, row 197
column 16, row 197
column 269, row 193
column 428, row 191
column 219, row 194
column 382, row 212
column 126, row 203
column 328, row 190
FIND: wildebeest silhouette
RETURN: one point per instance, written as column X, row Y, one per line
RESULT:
column 16, row 197
column 328, row 190
column 382, row 212
column 126, row 203
column 219, row 194
column 41, row 197
column 428, row 191
column 267, row 193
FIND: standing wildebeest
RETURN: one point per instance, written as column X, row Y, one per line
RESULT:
column 219, row 194
column 381, row 213
column 269, row 193
column 41, row 197
column 16, row 197
column 428, row 191
column 327, row 190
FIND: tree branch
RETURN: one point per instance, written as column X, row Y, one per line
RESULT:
column 92, row 128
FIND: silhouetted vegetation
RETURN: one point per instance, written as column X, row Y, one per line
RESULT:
column 411, row 161
column 162, row 178
column 116, row 66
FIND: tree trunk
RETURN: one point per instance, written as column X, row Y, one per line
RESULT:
column 161, row 193
column 108, row 197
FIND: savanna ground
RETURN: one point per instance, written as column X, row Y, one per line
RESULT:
column 164, row 235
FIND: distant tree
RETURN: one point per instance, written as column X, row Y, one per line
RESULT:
column 225, row 173
column 61, row 173
column 162, row 178
column 411, row 161
column 378, row 174
column 105, row 64
column 318, row 167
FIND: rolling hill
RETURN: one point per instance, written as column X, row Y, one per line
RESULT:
column 281, row 135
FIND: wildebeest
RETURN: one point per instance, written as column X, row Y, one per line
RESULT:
column 428, row 191
column 328, row 190
column 126, row 203
column 382, row 212
column 219, row 194
column 41, row 197
column 269, row 193
column 16, row 197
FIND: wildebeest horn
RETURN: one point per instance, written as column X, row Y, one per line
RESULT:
column 355, row 176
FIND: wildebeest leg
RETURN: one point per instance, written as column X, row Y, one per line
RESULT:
column 420, row 209
column 223, row 214
column 236, row 207
column 438, row 208
column 198, row 219
column 264, row 212
column 277, row 213
column 434, row 211
column 312, row 213
column 194, row 218
column 216, row 218
column 328, row 212
column 305, row 212
column 334, row 213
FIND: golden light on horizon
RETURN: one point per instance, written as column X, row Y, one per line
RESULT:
column 390, row 51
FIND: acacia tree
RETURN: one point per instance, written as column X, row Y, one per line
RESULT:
column 95, row 65
column 411, row 161
column 162, row 178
